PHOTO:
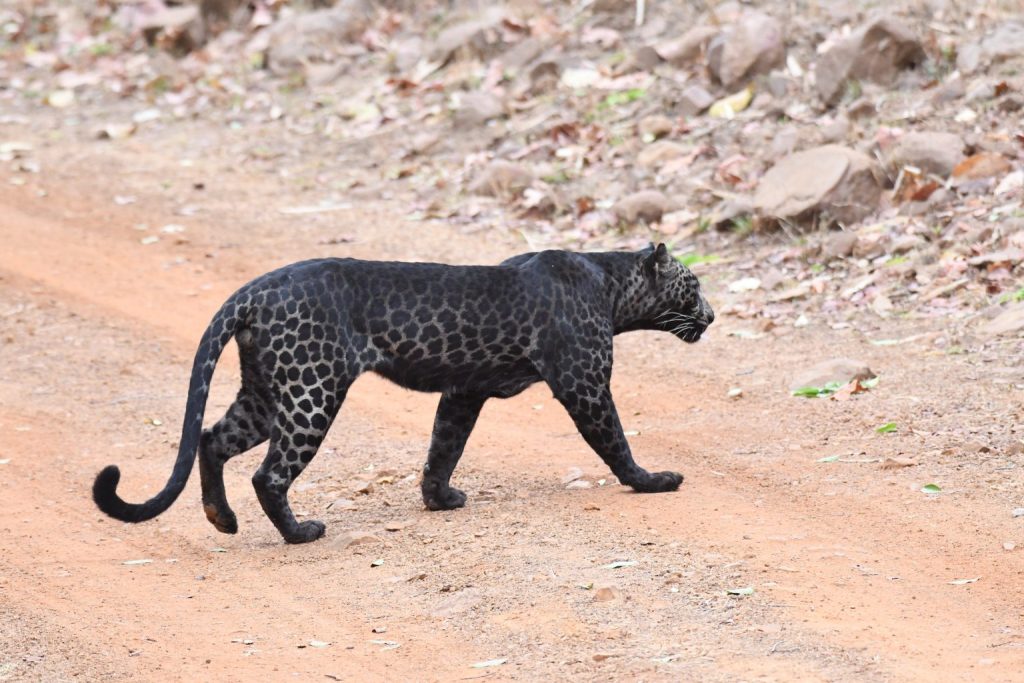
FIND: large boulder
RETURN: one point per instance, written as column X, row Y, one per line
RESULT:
column 878, row 51
column 754, row 45
column 834, row 181
column 932, row 152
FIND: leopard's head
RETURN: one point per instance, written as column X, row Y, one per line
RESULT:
column 670, row 298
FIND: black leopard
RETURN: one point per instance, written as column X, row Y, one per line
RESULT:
column 305, row 332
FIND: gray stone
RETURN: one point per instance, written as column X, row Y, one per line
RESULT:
column 931, row 151
column 477, row 108
column 876, row 52
column 658, row 153
column 314, row 36
column 687, row 48
column 694, row 100
column 1004, row 42
column 502, row 178
column 1010, row 321
column 753, row 45
column 469, row 37
column 353, row 538
column 832, row 180
column 655, row 126
column 646, row 206
column 839, row 245
column 840, row 370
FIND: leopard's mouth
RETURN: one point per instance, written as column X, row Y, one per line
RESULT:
column 693, row 334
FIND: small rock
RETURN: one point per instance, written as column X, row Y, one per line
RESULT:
column 363, row 487
column 353, row 538
column 606, row 594
column 422, row 143
column 905, row 244
column 1009, row 545
column 295, row 41
column 645, row 58
column 579, row 484
column 870, row 245
column 694, row 100
column 342, row 504
column 601, row 656
column 177, row 29
column 839, row 245
column 523, row 53
column 544, row 77
column 468, row 38
column 1018, row 512
column 1011, row 182
column 658, row 153
column 679, row 52
column 831, row 179
column 457, row 603
column 572, row 475
column 980, row 91
column 779, row 84
column 836, row 130
column 1004, row 42
column 876, row 52
column 896, row 463
column 647, row 206
column 753, row 45
column 840, row 370
column 1011, row 103
column 730, row 210
column 932, row 152
column 862, row 108
column 477, row 108
column 115, row 131
column 398, row 525
column 655, row 126
column 1010, row 321
column 785, row 142
column 949, row 91
column 502, row 178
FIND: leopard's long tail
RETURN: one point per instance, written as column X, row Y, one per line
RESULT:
column 225, row 324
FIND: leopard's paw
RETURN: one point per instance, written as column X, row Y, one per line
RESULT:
column 306, row 532
column 658, row 482
column 443, row 498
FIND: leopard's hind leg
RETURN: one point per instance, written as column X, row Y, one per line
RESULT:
column 245, row 425
column 294, row 439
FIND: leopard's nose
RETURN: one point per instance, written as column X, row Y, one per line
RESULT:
column 709, row 315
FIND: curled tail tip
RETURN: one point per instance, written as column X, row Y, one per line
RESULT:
column 104, row 491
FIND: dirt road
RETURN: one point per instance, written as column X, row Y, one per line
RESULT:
column 852, row 565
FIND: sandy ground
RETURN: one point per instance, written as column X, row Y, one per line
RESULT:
column 851, row 564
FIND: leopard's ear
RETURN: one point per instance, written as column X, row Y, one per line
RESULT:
column 661, row 254
column 658, row 261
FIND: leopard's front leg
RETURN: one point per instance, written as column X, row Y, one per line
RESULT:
column 591, row 407
column 598, row 422
column 456, row 416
